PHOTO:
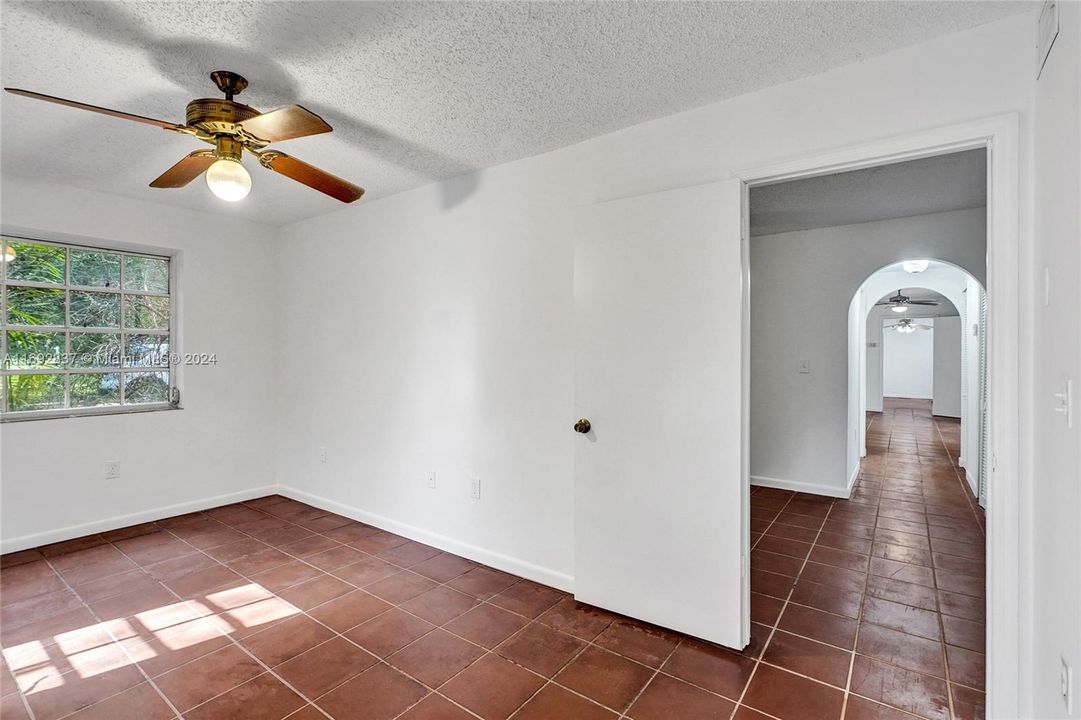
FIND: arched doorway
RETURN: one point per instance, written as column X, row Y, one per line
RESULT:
column 959, row 295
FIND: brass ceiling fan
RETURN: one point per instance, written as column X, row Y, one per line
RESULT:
column 900, row 302
column 232, row 128
column 906, row 325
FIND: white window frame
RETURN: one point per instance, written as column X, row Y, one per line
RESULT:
column 69, row 412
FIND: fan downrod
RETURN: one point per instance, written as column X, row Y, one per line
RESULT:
column 229, row 82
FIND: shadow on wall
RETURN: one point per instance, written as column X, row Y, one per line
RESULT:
column 188, row 64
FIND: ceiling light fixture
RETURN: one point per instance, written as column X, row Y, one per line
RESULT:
column 228, row 179
column 915, row 266
column 899, row 308
column 906, row 326
column 233, row 128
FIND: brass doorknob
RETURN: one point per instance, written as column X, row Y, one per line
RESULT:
column 582, row 426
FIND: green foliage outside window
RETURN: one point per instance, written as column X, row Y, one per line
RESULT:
column 82, row 328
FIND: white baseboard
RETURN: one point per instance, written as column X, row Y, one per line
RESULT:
column 120, row 521
column 491, row 558
column 806, row 487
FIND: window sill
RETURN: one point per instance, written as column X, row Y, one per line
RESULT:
column 68, row 413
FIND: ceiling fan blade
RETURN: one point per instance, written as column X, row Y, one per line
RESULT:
column 285, row 123
column 922, row 302
column 311, row 176
column 94, row 108
column 190, row 167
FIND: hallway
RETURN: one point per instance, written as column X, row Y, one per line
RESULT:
column 895, row 574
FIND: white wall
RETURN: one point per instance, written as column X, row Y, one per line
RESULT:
column 219, row 446
column 1053, row 608
column 801, row 287
column 454, row 323
column 873, row 362
column 961, row 290
column 946, row 385
column 453, row 342
column 908, row 363
column 857, row 383
column 452, row 355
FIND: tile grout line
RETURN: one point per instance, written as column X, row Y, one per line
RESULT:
column 225, row 525
column 189, row 603
column 551, row 681
column 112, row 636
column 338, row 543
column 653, row 677
column 863, row 597
column 941, row 621
column 773, row 629
column 305, row 613
column 877, row 503
column 480, row 601
column 934, row 568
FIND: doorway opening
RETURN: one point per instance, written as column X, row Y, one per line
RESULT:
column 911, row 531
column 920, row 330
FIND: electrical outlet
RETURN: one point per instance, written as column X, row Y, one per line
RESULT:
column 474, row 487
column 322, row 453
column 112, row 469
column 1067, row 685
column 431, row 480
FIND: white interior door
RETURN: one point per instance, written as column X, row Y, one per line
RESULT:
column 661, row 501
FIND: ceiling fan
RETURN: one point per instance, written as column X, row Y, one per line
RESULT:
column 232, row 128
column 899, row 303
column 905, row 326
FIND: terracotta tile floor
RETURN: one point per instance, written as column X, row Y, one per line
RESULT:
column 878, row 600
column 273, row 609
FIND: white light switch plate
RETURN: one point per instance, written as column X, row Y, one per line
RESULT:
column 1065, row 403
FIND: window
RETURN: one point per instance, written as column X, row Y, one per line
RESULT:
column 83, row 330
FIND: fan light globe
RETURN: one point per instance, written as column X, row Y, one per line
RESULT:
column 899, row 308
column 228, row 179
column 914, row 266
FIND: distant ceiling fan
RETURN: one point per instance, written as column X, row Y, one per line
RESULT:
column 233, row 128
column 899, row 303
column 905, row 326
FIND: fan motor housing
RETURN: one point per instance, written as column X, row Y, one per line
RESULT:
column 217, row 116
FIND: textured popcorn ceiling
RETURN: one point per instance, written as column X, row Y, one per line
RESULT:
column 416, row 92
column 957, row 181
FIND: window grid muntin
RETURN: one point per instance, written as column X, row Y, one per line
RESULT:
column 122, row 371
